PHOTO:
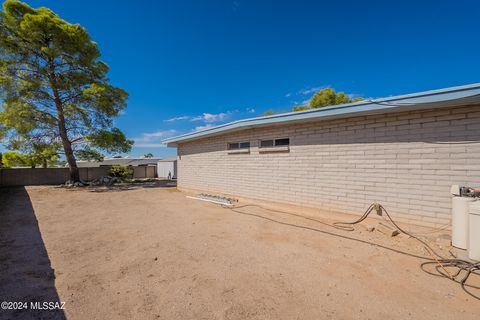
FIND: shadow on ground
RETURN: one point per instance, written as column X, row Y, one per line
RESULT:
column 133, row 186
column 26, row 274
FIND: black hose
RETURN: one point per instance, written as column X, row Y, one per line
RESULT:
column 441, row 264
column 348, row 226
column 326, row 232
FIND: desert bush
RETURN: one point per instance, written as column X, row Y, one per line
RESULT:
column 121, row 172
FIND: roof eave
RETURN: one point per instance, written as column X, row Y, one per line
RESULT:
column 449, row 97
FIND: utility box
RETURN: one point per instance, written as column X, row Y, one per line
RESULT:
column 473, row 246
column 460, row 210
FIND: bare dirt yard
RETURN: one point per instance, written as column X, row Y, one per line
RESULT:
column 151, row 253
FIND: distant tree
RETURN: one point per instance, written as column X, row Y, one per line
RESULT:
column 327, row 97
column 300, row 108
column 14, row 159
column 88, row 154
column 148, row 155
column 44, row 155
column 53, row 86
column 358, row 99
column 35, row 150
column 269, row 113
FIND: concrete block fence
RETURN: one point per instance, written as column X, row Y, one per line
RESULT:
column 52, row 176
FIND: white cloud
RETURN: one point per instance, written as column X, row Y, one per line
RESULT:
column 196, row 118
column 209, row 117
column 177, row 119
column 311, row 90
column 153, row 139
column 206, row 117
column 306, row 91
column 150, row 145
column 158, row 134
column 251, row 110
column 200, row 128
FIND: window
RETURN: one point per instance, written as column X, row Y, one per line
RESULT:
column 244, row 145
column 282, row 142
column 266, row 143
column 275, row 143
column 238, row 145
column 233, row 146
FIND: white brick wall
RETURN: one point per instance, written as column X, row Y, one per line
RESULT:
column 406, row 161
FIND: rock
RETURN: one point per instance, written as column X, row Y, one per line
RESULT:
column 69, row 184
column 387, row 230
column 369, row 228
column 103, row 181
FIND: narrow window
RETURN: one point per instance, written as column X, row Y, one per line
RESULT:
column 244, row 145
column 266, row 143
column 282, row 142
column 233, row 146
column 238, row 145
column 275, row 143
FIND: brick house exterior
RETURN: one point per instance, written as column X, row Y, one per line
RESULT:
column 405, row 160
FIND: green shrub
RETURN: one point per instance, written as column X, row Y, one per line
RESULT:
column 121, row 172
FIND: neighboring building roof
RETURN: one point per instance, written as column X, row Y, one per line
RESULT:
column 449, row 97
column 119, row 161
column 171, row 159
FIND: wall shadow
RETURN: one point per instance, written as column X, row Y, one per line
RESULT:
column 26, row 274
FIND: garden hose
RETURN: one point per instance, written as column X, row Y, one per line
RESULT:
column 461, row 270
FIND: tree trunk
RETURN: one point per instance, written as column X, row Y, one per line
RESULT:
column 67, row 147
column 62, row 128
column 45, row 164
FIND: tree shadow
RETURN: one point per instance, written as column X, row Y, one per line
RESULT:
column 134, row 186
column 26, row 274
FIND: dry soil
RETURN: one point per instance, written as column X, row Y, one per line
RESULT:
column 151, row 253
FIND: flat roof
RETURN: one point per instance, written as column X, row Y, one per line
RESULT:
column 170, row 159
column 448, row 97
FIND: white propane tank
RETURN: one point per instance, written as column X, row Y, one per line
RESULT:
column 460, row 210
column 473, row 246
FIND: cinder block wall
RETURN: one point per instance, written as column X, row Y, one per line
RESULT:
column 406, row 161
column 50, row 176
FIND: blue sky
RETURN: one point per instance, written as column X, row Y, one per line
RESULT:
column 192, row 64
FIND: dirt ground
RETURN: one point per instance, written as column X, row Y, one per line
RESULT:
column 151, row 253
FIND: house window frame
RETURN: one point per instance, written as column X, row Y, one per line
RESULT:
column 274, row 143
column 246, row 145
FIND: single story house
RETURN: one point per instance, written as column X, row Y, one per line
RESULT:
column 403, row 151
column 119, row 161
